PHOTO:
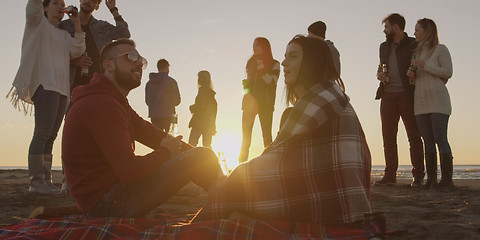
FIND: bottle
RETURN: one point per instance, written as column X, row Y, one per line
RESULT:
column 245, row 83
column 84, row 70
column 412, row 66
column 221, row 159
column 174, row 125
column 385, row 70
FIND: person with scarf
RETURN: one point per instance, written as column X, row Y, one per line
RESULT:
column 318, row 167
column 42, row 80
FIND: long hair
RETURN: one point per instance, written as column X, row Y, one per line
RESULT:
column 205, row 79
column 266, row 57
column 317, row 67
column 431, row 37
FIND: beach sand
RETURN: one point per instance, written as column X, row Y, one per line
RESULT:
column 422, row 213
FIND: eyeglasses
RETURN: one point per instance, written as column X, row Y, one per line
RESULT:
column 133, row 56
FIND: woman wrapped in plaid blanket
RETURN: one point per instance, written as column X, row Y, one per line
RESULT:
column 318, row 167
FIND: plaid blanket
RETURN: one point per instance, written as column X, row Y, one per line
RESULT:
column 317, row 169
column 77, row 227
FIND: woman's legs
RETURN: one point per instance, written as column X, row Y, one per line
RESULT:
column 49, row 111
column 248, row 118
column 266, row 119
column 194, row 136
column 440, row 128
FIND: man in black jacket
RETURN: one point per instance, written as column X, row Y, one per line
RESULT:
column 396, row 94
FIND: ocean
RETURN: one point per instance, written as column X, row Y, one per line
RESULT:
column 404, row 171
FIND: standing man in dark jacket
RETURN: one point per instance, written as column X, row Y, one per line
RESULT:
column 397, row 99
column 161, row 96
column 97, row 34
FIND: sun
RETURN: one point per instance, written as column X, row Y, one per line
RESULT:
column 227, row 146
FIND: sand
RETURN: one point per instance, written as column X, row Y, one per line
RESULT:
column 419, row 213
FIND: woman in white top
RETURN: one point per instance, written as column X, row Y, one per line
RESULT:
column 43, row 80
column 430, row 70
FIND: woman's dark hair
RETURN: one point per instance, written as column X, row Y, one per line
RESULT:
column 317, row 66
column 266, row 57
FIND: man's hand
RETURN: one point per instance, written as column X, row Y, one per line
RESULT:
column 110, row 3
column 382, row 77
column 173, row 144
column 81, row 62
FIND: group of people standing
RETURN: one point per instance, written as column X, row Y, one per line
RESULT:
column 317, row 169
column 413, row 73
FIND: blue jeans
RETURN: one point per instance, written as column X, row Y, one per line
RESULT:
column 199, row 165
column 433, row 127
column 50, row 108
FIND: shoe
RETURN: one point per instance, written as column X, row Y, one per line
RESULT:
column 417, row 183
column 386, row 181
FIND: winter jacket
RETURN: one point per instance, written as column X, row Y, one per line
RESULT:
column 161, row 95
column 204, row 111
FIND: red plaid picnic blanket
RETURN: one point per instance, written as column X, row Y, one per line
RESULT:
column 78, row 227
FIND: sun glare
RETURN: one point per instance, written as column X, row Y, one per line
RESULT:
column 227, row 146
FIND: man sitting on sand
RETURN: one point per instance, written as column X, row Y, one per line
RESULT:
column 104, row 175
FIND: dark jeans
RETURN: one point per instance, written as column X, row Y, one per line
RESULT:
column 195, row 134
column 199, row 165
column 433, row 128
column 50, row 108
column 392, row 107
column 162, row 123
column 248, row 118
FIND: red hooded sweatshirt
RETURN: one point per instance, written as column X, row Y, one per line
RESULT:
column 99, row 141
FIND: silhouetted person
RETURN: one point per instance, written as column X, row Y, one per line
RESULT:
column 397, row 99
column 161, row 96
column 260, row 92
column 317, row 30
column 204, row 112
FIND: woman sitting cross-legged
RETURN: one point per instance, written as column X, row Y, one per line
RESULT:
column 318, row 167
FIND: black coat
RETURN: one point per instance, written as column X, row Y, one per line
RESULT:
column 204, row 111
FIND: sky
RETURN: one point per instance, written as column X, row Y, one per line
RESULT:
column 217, row 35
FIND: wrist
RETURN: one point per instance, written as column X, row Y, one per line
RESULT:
column 112, row 10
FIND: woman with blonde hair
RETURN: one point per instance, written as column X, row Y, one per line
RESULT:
column 204, row 112
column 430, row 70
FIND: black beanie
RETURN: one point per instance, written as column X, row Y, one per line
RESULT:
column 318, row 28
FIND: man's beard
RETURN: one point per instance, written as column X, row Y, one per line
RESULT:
column 124, row 80
column 82, row 9
column 389, row 37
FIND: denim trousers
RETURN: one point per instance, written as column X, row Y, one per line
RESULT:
column 248, row 118
column 195, row 134
column 392, row 107
column 50, row 108
column 199, row 165
column 433, row 127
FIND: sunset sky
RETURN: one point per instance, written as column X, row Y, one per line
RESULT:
column 217, row 35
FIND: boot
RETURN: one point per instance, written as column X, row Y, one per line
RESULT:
column 37, row 175
column 431, row 164
column 47, row 167
column 446, row 165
